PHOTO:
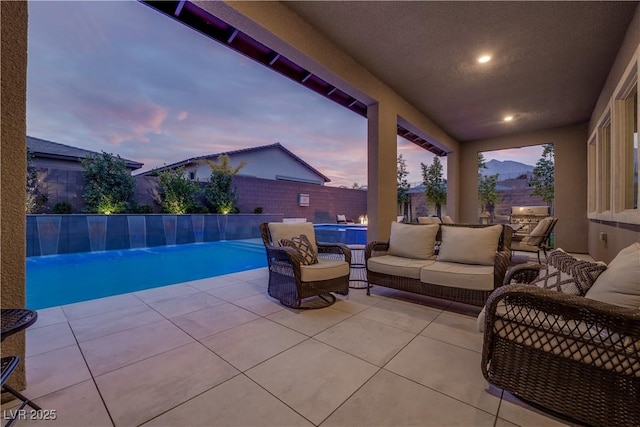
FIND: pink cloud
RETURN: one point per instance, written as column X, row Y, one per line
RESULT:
column 182, row 115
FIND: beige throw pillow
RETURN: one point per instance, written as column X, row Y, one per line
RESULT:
column 469, row 245
column 620, row 283
column 424, row 220
column 413, row 241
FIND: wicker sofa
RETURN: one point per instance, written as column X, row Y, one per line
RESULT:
column 575, row 355
column 458, row 262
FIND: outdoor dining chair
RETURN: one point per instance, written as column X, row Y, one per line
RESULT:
column 15, row 320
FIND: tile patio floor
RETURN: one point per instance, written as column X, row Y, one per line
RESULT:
column 220, row 352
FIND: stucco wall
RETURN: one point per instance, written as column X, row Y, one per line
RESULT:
column 570, row 179
column 618, row 235
column 13, row 166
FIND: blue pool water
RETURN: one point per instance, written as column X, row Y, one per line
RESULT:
column 349, row 234
column 63, row 279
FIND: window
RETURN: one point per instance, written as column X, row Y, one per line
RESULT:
column 603, row 168
column 613, row 155
column 192, row 176
column 631, row 150
column 592, row 157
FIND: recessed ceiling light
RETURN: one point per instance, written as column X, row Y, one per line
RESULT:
column 484, row 58
column 508, row 118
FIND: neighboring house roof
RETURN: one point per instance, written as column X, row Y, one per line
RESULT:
column 241, row 151
column 53, row 150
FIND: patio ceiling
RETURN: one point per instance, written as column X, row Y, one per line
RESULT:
column 549, row 60
column 549, row 63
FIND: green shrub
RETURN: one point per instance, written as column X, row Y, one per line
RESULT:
column 62, row 208
column 177, row 193
column 218, row 194
column 110, row 186
column 258, row 210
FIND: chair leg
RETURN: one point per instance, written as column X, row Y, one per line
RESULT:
column 25, row 400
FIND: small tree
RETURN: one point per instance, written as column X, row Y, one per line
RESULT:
column 110, row 187
column 177, row 194
column 487, row 192
column 36, row 193
column 543, row 181
column 218, row 194
column 434, row 183
column 403, row 184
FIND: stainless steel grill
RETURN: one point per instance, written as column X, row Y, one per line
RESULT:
column 528, row 217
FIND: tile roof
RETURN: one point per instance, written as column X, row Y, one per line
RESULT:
column 55, row 150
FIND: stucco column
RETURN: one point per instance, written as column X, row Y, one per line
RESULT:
column 382, row 152
column 13, row 168
column 453, row 185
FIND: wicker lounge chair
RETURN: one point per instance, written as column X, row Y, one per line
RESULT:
column 291, row 281
column 538, row 240
column 570, row 354
column 342, row 219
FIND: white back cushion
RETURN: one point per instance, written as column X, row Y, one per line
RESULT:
column 469, row 245
column 413, row 241
column 619, row 284
column 341, row 218
column 447, row 220
column 535, row 237
column 281, row 230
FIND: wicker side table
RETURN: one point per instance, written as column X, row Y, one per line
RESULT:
column 358, row 270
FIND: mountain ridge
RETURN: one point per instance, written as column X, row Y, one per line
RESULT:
column 506, row 169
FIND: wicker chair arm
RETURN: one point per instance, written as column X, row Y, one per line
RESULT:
column 375, row 248
column 523, row 273
column 285, row 256
column 580, row 320
column 500, row 266
column 339, row 249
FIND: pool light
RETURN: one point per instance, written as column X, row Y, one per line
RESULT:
column 508, row 118
column 484, row 59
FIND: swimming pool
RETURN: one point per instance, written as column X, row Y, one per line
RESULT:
column 64, row 279
column 349, row 234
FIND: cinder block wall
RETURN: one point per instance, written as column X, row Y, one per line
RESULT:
column 282, row 197
column 278, row 197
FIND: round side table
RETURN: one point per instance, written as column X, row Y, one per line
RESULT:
column 358, row 270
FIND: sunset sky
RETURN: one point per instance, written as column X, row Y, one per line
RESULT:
column 123, row 78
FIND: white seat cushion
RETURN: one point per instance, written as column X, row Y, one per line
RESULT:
column 398, row 266
column 466, row 276
column 619, row 284
column 323, row 270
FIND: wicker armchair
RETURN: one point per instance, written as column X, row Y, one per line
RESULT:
column 569, row 354
column 290, row 282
